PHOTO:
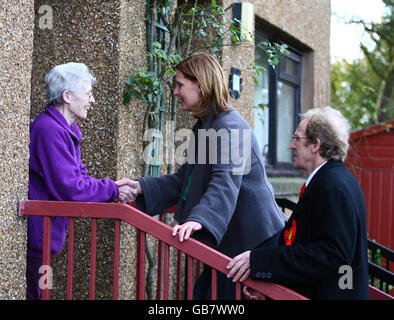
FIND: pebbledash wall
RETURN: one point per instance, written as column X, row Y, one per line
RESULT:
column 305, row 24
column 109, row 36
column 16, row 49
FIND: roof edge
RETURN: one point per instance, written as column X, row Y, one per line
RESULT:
column 373, row 130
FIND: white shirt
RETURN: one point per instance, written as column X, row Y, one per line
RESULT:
column 313, row 173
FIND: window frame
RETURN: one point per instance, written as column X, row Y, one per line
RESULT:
column 274, row 167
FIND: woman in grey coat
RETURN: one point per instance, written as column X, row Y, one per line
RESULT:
column 222, row 193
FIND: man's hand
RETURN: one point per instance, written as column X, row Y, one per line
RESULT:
column 131, row 183
column 128, row 190
column 251, row 294
column 186, row 229
column 239, row 267
column 126, row 194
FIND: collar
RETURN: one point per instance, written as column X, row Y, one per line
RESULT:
column 59, row 118
column 313, row 173
column 207, row 123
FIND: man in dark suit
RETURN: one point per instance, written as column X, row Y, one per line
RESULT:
column 322, row 250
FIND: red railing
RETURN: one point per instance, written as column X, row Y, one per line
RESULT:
column 145, row 224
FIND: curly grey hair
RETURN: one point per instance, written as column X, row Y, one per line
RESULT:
column 66, row 76
column 331, row 128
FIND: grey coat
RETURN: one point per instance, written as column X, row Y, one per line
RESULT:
column 230, row 196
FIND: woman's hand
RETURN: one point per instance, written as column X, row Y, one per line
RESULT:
column 134, row 184
column 186, row 229
column 126, row 194
column 128, row 190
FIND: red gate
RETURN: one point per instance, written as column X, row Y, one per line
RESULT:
column 193, row 249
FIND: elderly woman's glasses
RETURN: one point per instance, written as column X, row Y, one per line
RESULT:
column 294, row 137
column 87, row 94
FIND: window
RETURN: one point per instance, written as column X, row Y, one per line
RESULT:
column 277, row 107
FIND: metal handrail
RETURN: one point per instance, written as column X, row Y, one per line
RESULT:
column 385, row 252
column 379, row 276
column 145, row 225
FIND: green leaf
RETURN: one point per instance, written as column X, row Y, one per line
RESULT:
column 126, row 98
column 156, row 44
column 169, row 72
column 136, row 94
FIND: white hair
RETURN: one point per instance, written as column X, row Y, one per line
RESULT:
column 331, row 128
column 66, row 76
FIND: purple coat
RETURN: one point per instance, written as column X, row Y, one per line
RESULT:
column 56, row 173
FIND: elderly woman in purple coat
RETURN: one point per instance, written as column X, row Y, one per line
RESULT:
column 55, row 168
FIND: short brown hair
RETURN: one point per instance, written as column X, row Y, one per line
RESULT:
column 204, row 69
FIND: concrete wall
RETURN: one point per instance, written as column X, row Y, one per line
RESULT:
column 308, row 23
column 16, row 47
column 305, row 24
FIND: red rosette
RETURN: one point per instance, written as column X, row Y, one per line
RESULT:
column 290, row 233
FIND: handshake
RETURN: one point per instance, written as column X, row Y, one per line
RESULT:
column 128, row 190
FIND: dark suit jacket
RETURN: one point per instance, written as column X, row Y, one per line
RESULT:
column 236, row 209
column 330, row 233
